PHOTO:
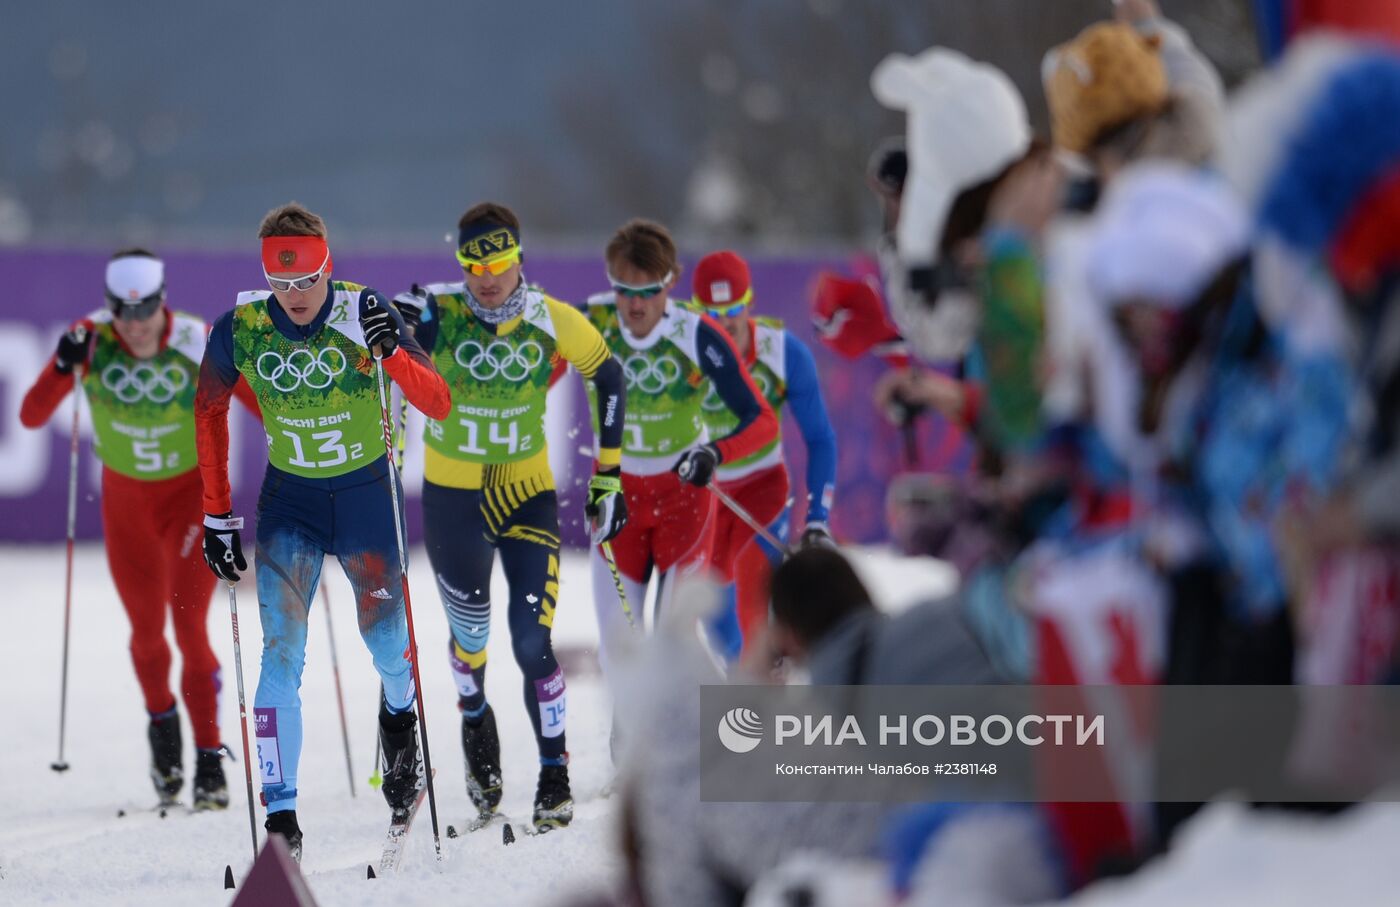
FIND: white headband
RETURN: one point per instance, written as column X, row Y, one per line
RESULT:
column 135, row 277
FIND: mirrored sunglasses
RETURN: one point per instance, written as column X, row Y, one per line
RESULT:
column 725, row 311
column 496, row 266
column 639, row 292
column 135, row 310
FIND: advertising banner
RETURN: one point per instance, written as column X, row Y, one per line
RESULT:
column 45, row 290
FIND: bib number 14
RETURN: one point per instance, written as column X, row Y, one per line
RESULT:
column 502, row 434
column 333, row 452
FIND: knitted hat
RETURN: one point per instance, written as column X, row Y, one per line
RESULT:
column 1108, row 75
column 721, row 279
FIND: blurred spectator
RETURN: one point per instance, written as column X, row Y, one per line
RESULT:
column 959, row 266
column 691, row 852
column 1130, row 89
column 1250, row 420
column 1328, row 195
column 1135, row 88
column 824, row 619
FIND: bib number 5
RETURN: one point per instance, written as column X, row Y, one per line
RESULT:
column 149, row 459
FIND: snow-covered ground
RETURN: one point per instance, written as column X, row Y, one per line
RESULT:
column 62, row 842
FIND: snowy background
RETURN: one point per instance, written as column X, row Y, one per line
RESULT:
column 61, row 841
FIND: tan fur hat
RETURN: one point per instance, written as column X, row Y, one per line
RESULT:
column 1109, row 74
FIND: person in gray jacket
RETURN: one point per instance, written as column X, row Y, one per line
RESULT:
column 685, row 851
column 824, row 618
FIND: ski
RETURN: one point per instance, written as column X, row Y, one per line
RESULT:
column 509, row 827
column 161, row 809
column 399, row 825
column 477, row 824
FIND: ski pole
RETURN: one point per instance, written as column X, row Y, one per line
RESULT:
column 388, row 427
column 617, row 581
column 402, row 439
column 243, row 711
column 754, row 524
column 61, row 765
column 339, row 695
column 376, row 780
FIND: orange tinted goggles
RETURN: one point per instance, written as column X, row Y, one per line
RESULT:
column 496, row 266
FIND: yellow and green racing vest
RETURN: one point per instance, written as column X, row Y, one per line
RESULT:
column 320, row 398
column 143, row 409
column 665, row 385
column 499, row 379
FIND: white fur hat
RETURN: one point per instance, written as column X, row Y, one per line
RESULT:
column 966, row 123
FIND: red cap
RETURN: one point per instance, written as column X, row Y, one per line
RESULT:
column 721, row 279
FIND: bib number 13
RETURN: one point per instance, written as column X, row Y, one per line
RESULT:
column 333, row 452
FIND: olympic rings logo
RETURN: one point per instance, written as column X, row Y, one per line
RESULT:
column 315, row 370
column 650, row 376
column 157, row 384
column 513, row 363
column 713, row 403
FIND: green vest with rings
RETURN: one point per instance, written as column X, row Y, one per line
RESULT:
column 665, row 385
column 320, row 398
column 499, row 384
column 770, row 374
column 143, row 409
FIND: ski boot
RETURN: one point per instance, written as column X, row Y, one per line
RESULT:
column 554, row 803
column 482, row 747
column 284, row 823
column 166, row 773
column 402, row 764
column 210, row 786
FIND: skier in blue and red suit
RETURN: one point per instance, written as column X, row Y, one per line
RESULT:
column 307, row 349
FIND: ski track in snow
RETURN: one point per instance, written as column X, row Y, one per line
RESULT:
column 61, row 841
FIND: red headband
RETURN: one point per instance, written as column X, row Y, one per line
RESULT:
column 295, row 254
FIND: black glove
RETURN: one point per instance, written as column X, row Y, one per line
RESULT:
column 378, row 323
column 411, row 306
column 72, row 349
column 902, row 412
column 697, row 465
column 816, row 535
column 222, row 548
column 606, row 507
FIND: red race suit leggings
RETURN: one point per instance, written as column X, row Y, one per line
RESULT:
column 155, row 549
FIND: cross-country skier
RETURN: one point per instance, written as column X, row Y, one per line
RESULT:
column 139, row 361
column 671, row 357
column 306, row 349
column 488, row 487
column 783, row 368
